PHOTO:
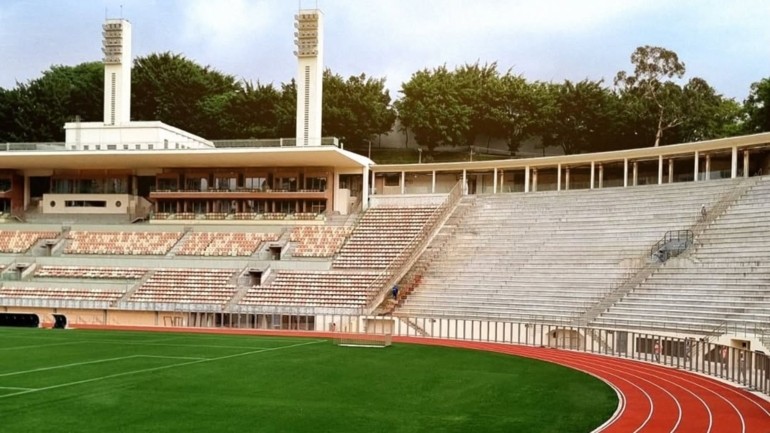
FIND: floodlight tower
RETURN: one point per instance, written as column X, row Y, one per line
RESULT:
column 309, row 41
column 116, row 46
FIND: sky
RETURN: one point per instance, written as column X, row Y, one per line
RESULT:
column 725, row 42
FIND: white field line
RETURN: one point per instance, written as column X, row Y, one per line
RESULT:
column 40, row 345
column 164, row 367
column 15, row 388
column 196, row 358
column 141, row 343
column 74, row 364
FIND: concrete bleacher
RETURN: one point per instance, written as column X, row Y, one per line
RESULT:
column 382, row 234
column 318, row 241
column 224, row 243
column 121, row 242
column 183, row 285
column 550, row 256
column 322, row 289
column 722, row 282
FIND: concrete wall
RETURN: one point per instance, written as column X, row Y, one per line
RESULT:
column 130, row 136
column 114, row 204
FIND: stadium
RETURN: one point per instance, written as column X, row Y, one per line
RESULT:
column 182, row 270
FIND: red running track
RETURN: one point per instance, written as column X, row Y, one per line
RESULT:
column 652, row 398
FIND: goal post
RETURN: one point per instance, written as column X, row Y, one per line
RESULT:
column 363, row 340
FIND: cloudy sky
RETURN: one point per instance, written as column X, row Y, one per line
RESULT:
column 725, row 42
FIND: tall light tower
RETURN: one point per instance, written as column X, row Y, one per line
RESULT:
column 116, row 46
column 309, row 41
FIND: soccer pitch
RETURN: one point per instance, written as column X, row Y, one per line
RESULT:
column 97, row 381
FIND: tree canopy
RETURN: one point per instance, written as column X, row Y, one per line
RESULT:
column 757, row 107
column 470, row 105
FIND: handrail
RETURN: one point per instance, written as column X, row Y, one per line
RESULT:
column 411, row 252
column 673, row 243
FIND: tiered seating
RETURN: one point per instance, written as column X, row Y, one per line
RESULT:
column 121, row 243
column 87, row 272
column 552, row 255
column 15, row 241
column 318, row 241
column 224, row 244
column 324, row 289
column 56, row 293
column 197, row 286
column 381, row 234
column 724, row 281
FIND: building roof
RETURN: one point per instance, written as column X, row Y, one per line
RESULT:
column 316, row 156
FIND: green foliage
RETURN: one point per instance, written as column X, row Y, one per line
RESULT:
column 247, row 112
column 655, row 104
column 356, row 109
column 583, row 117
column 177, row 91
column 757, row 107
column 457, row 108
column 93, row 381
column 527, row 110
column 431, row 108
column 37, row 110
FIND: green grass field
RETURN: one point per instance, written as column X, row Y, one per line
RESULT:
column 95, row 381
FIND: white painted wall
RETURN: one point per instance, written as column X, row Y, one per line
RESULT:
column 131, row 136
column 310, row 87
column 115, row 204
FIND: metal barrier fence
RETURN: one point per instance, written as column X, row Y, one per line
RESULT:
column 741, row 366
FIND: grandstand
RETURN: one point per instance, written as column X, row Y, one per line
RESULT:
column 575, row 252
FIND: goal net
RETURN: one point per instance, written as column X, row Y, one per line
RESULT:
column 363, row 340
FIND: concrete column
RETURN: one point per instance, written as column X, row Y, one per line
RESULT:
column 671, row 170
column 734, row 163
column 593, row 165
column 534, row 180
column 26, row 192
column 625, row 172
column 707, row 174
column 433, row 183
column 365, row 189
column 635, row 180
column 526, row 179
column 465, row 183
column 601, row 175
column 494, row 182
column 695, row 167
column 566, row 178
column 745, row 162
column 403, row 182
column 502, row 180
column 558, row 177
column 660, row 169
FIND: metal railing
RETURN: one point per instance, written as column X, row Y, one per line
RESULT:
column 673, row 243
column 733, row 362
column 392, row 273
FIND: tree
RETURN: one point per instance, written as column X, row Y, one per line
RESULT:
column 170, row 88
column 481, row 91
column 522, row 110
column 651, row 82
column 356, row 109
column 248, row 112
column 707, row 114
column 582, row 119
column 431, row 109
column 39, row 108
column 757, row 107
column 286, row 110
